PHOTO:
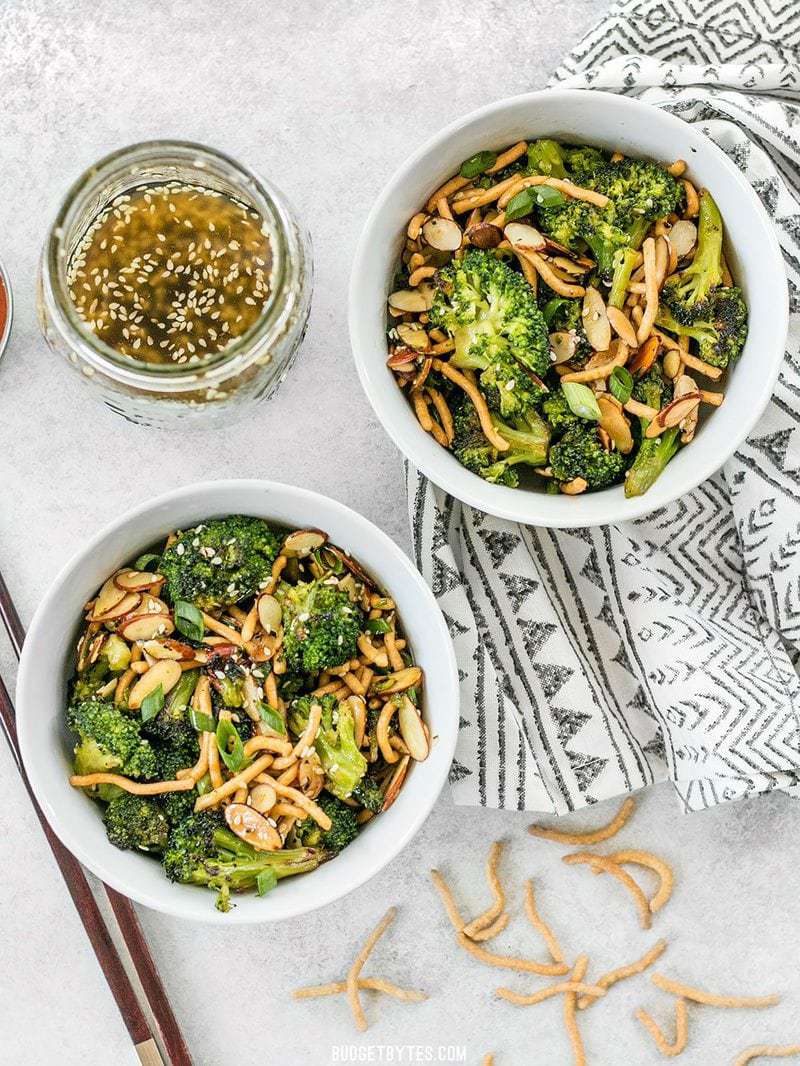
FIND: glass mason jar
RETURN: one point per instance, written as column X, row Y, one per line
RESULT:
column 219, row 386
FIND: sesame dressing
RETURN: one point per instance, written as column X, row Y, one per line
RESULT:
column 172, row 273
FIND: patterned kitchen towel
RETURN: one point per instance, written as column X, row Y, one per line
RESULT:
column 596, row 661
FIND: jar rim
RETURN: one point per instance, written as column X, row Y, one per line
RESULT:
column 101, row 356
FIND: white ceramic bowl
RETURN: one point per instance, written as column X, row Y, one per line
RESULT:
column 608, row 121
column 47, row 663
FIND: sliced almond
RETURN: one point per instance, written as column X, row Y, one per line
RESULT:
column 443, row 234
column 107, row 598
column 270, row 614
column 484, row 235
column 574, row 487
column 672, row 363
column 303, row 542
column 645, row 357
column 397, row 682
column 146, row 626
column 524, row 237
column 684, row 385
column 156, row 650
column 683, row 237
column 414, row 300
column 137, row 580
column 595, row 320
column 622, row 326
column 262, row 798
column 413, row 336
column 563, row 344
column 403, row 359
column 614, row 422
column 96, row 647
column 673, row 414
column 396, row 782
column 412, row 730
column 252, row 827
column 165, row 673
column 128, row 603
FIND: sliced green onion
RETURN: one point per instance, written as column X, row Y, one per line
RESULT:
column 152, row 703
column 378, row 625
column 581, row 400
column 230, row 746
column 534, row 196
column 203, row 723
column 552, row 307
column 476, row 164
column 621, row 384
column 189, row 620
column 272, row 718
column 266, row 881
column 547, row 196
column 146, row 561
column 203, row 785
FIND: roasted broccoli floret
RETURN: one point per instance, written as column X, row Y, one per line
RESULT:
column 136, row 823
column 558, row 412
column 654, row 453
column 221, row 561
column 321, row 626
column 580, row 453
column 624, row 263
column 227, row 678
column 343, row 830
column 491, row 312
column 528, row 440
column 109, row 741
column 177, row 805
column 686, row 293
column 719, row 328
column 369, row 794
column 583, row 162
column 639, row 193
column 113, row 659
column 343, row 763
column 172, row 724
column 202, row 851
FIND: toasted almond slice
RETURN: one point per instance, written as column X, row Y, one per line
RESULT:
column 414, row 300
column 269, row 613
column 683, row 237
column 129, row 601
column 165, row 673
column 157, row 650
column 614, row 422
column 403, row 359
column 252, row 827
column 146, row 626
column 563, row 344
column 595, row 320
column 672, row 363
column 673, row 414
column 574, row 487
column 484, row 235
column 396, row 782
column 524, row 237
column 645, row 357
column 412, row 731
column 137, row 580
column 414, row 336
column 443, row 234
column 107, row 598
column 262, row 798
column 622, row 326
column 303, row 542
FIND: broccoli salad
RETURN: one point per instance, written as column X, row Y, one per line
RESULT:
column 559, row 314
column 244, row 701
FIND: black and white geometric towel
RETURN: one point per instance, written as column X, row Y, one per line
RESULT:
column 597, row 661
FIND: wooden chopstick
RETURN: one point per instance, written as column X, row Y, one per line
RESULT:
column 86, row 905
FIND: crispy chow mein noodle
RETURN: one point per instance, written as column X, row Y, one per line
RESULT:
column 668, row 1048
column 710, row 999
column 240, row 664
column 596, row 836
column 613, row 868
column 490, row 916
column 570, row 1015
column 541, row 926
column 767, row 1051
column 622, row 972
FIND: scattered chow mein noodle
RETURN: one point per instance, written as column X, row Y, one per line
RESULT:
column 541, row 926
column 488, row 1060
column 490, row 916
column 527, row 1000
column 570, row 1012
column 669, row 1049
column 371, row 984
column 450, row 907
column 635, row 857
column 609, row 866
column 509, row 962
column 493, row 930
column 358, row 965
column 767, row 1051
column 596, row 836
column 614, row 976
column 697, row 995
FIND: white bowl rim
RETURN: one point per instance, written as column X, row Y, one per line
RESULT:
column 447, row 732
column 523, row 506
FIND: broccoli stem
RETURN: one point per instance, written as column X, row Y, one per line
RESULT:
column 653, row 455
column 624, row 262
column 707, row 260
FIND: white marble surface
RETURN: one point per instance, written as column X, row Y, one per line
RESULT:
column 326, row 99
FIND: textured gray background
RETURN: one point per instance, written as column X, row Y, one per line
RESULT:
column 326, row 100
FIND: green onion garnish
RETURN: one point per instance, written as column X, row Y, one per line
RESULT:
column 189, row 620
column 476, row 164
column 581, row 400
column 152, row 703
